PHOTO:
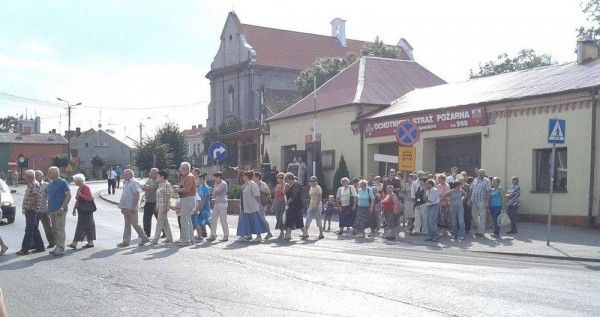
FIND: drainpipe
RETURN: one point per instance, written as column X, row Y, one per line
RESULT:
column 593, row 156
column 362, row 141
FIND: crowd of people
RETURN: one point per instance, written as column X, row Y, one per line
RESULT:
column 420, row 203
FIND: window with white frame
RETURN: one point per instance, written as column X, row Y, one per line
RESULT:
column 542, row 170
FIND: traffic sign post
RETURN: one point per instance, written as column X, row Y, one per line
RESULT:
column 556, row 135
column 407, row 158
column 407, row 134
column 218, row 152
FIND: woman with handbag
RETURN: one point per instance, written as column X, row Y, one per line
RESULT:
column 279, row 204
column 392, row 208
column 346, row 197
column 249, row 222
column 293, row 216
column 84, row 208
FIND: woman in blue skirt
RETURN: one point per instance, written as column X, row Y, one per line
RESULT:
column 250, row 222
column 346, row 197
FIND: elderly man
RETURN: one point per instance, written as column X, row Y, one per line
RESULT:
column 31, row 205
column 417, row 190
column 59, row 196
column 480, row 196
column 129, row 203
column 150, row 205
column 187, row 202
column 43, row 212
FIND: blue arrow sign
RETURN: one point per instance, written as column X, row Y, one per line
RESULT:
column 556, row 131
column 218, row 151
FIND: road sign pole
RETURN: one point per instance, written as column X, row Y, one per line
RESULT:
column 552, row 160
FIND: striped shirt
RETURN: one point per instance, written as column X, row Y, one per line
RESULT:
column 31, row 199
column 480, row 188
column 514, row 194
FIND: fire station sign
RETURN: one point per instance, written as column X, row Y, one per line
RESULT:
column 435, row 120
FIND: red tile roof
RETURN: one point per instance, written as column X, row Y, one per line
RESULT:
column 370, row 80
column 295, row 50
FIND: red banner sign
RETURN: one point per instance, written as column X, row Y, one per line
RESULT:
column 437, row 120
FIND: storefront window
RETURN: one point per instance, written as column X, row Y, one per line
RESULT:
column 542, row 170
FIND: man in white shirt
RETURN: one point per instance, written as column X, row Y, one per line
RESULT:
column 111, row 175
column 433, row 208
column 452, row 178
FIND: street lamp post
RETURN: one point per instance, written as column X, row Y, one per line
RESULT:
column 141, row 125
column 69, row 107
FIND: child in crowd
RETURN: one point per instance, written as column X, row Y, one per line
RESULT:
column 328, row 210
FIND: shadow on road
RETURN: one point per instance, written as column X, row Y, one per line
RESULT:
column 28, row 262
column 166, row 252
column 102, row 254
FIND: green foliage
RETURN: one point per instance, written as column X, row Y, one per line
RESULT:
column 340, row 172
column 60, row 160
column 98, row 161
column 234, row 192
column 153, row 154
column 9, row 124
column 379, row 49
column 325, row 68
column 174, row 176
column 170, row 135
column 591, row 10
column 525, row 59
column 232, row 125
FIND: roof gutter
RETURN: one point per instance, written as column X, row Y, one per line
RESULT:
column 594, row 93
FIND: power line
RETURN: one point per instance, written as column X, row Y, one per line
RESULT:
column 27, row 100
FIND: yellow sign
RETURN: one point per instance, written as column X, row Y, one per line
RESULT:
column 407, row 158
column 69, row 168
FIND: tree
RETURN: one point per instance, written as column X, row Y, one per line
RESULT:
column 9, row 124
column 340, row 172
column 325, row 68
column 97, row 163
column 170, row 135
column 60, row 160
column 525, row 59
column 379, row 49
column 153, row 153
column 591, row 10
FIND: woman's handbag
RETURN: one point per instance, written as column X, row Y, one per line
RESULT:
column 399, row 208
column 265, row 199
column 503, row 220
column 87, row 206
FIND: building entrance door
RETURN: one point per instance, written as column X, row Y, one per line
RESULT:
column 463, row 152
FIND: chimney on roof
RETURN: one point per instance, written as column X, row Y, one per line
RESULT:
column 77, row 131
column 338, row 30
column 194, row 127
column 200, row 126
column 587, row 49
column 53, row 131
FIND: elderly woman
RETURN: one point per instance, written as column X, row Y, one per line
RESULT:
column 279, row 203
column 346, row 197
column 250, row 221
column 315, row 206
column 366, row 204
column 293, row 216
column 496, row 204
column 84, row 208
column 391, row 210
column 375, row 217
column 513, row 196
column 444, row 212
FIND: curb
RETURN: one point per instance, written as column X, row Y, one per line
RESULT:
column 106, row 199
column 533, row 255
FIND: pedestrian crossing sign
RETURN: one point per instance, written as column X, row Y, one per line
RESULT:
column 556, row 131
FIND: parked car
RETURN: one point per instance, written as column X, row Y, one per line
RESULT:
column 7, row 204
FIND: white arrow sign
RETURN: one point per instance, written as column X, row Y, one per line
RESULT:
column 218, row 151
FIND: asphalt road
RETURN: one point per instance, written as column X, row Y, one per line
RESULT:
column 332, row 277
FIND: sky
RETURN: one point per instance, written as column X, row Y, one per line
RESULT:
column 129, row 60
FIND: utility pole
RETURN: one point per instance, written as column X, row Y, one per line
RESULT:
column 141, row 126
column 69, row 107
column 314, row 134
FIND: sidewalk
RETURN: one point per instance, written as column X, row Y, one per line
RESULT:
column 567, row 243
